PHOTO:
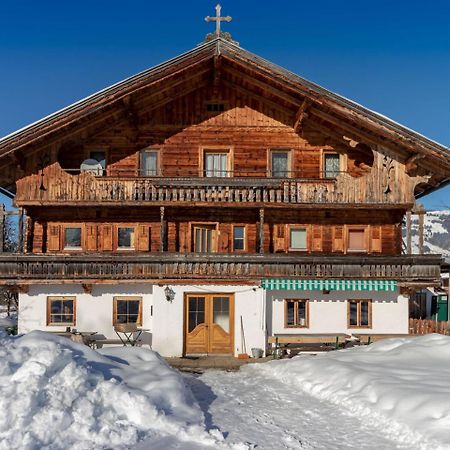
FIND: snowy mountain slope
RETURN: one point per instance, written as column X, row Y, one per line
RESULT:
column 437, row 233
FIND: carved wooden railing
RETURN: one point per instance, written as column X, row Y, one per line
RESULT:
column 56, row 186
column 159, row 266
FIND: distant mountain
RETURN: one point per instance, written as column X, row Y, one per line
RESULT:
column 437, row 233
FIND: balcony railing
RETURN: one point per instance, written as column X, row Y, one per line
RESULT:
column 28, row 269
column 56, row 186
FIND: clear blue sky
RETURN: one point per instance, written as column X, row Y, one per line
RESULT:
column 390, row 56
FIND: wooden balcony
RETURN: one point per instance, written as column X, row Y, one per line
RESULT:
column 57, row 187
column 18, row 269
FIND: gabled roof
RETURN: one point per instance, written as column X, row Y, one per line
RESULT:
column 326, row 104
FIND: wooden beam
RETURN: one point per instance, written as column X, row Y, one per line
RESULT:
column 162, row 233
column 301, row 115
column 261, row 230
column 2, row 227
column 265, row 86
column 258, row 97
column 408, row 233
column 20, row 234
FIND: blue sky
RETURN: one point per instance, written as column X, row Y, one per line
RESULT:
column 390, row 56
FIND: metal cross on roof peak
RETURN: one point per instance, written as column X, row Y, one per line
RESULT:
column 218, row 19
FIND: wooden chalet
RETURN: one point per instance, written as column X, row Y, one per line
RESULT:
column 215, row 199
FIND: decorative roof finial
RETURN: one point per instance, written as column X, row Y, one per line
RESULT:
column 218, row 19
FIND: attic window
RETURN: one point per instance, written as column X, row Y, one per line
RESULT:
column 215, row 107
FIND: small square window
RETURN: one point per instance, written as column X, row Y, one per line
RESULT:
column 238, row 238
column 128, row 310
column 359, row 314
column 331, row 165
column 72, row 238
column 61, row 311
column 357, row 240
column 125, row 238
column 279, row 164
column 296, row 313
column 297, row 239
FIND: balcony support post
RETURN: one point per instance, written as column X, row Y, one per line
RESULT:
column 2, row 228
column 408, row 233
column 162, row 229
column 261, row 230
column 20, row 231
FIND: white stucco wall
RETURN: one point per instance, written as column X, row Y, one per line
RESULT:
column 168, row 326
column 328, row 312
column 94, row 312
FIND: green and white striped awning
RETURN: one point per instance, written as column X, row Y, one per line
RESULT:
column 330, row 285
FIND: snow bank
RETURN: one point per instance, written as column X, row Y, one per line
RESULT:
column 401, row 386
column 57, row 394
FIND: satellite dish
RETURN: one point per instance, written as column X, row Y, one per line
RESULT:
column 92, row 166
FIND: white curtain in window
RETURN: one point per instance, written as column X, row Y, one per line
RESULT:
column 332, row 165
column 150, row 164
column 216, row 164
column 279, row 165
column 298, row 238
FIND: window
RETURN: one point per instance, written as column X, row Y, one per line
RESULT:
column 331, row 165
column 297, row 239
column 296, row 313
column 238, row 238
column 149, row 163
column 72, row 238
column 61, row 311
column 279, row 163
column 127, row 310
column 125, row 238
column 357, row 240
column 100, row 156
column 215, row 107
column 359, row 314
column 205, row 238
column 216, row 163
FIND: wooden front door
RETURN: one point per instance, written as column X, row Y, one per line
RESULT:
column 209, row 323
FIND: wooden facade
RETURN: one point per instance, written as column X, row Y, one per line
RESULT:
column 305, row 177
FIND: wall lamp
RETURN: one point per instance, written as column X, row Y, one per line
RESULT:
column 169, row 293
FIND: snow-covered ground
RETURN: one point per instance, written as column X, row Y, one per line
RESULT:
column 391, row 394
column 56, row 394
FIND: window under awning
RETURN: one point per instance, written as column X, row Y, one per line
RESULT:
column 329, row 285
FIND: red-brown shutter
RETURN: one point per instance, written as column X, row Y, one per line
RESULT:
column 143, row 238
column 375, row 238
column 54, row 238
column 279, row 240
column 107, row 238
column 316, row 238
column 338, row 238
column 91, row 238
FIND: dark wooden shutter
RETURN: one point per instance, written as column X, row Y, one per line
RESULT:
column 316, row 238
column 91, row 238
column 338, row 238
column 375, row 231
column 143, row 238
column 279, row 241
column 107, row 238
column 54, row 238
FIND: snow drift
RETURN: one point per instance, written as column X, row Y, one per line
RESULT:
column 57, row 394
column 400, row 386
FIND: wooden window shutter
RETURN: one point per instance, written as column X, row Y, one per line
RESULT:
column 375, row 238
column 91, row 237
column 338, row 238
column 279, row 241
column 224, row 240
column 316, row 238
column 54, row 238
column 107, row 238
column 143, row 238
